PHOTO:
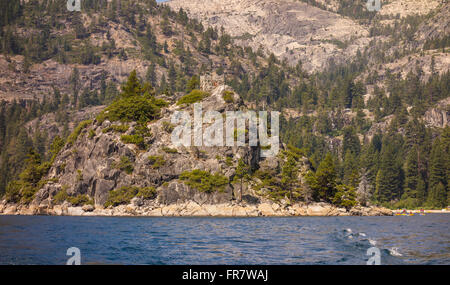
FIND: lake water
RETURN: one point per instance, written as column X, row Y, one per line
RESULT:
column 297, row 240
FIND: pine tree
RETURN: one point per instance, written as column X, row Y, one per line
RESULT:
column 323, row 181
column 437, row 181
column 151, row 74
column 388, row 182
column 369, row 162
column 413, row 188
column 351, row 142
column 351, row 173
column 289, row 174
column 437, row 197
column 345, row 196
column 242, row 174
column 132, row 87
column 445, row 142
column 75, row 84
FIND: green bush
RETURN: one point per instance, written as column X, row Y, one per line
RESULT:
column 193, row 97
column 60, row 197
column 80, row 200
column 79, row 175
column 77, row 131
column 170, row 150
column 204, row 181
column 132, row 139
column 124, row 195
column 125, row 165
column 147, row 193
column 156, row 161
column 167, row 127
column 91, row 134
column 136, row 108
column 116, row 129
column 229, row 161
column 228, row 96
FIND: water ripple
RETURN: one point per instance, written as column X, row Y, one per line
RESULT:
column 302, row 240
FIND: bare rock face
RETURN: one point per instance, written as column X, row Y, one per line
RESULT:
column 290, row 29
column 405, row 8
column 439, row 116
column 177, row 192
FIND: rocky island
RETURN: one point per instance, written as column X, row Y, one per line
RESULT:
column 114, row 167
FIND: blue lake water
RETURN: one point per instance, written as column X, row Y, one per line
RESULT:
column 299, row 240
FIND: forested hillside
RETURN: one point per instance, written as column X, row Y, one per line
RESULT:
column 375, row 124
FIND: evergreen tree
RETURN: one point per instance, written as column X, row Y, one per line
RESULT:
column 351, row 142
column 289, row 174
column 437, row 197
column 132, row 87
column 323, row 181
column 242, row 175
column 414, row 190
column 351, row 173
column 388, row 181
column 437, row 181
column 151, row 74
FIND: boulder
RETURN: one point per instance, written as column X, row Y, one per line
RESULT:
column 266, row 209
column 88, row 208
column 137, row 201
column 10, row 209
column 75, row 211
column 318, row 209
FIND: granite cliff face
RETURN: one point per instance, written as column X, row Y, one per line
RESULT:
column 438, row 116
column 290, row 29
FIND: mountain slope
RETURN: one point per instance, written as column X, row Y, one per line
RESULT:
column 290, row 29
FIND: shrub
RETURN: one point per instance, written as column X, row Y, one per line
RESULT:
column 170, row 150
column 60, row 197
column 91, row 134
column 77, row 131
column 79, row 175
column 229, row 161
column 125, row 165
column 116, row 129
column 156, row 161
column 167, row 127
column 193, row 97
column 136, row 108
column 80, row 200
column 228, row 96
column 204, row 181
column 133, row 139
column 124, row 195
column 147, row 193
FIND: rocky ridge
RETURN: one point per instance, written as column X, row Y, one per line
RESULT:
column 98, row 162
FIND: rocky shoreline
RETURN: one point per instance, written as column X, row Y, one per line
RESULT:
column 193, row 209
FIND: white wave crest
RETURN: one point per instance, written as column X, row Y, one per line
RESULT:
column 394, row 252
